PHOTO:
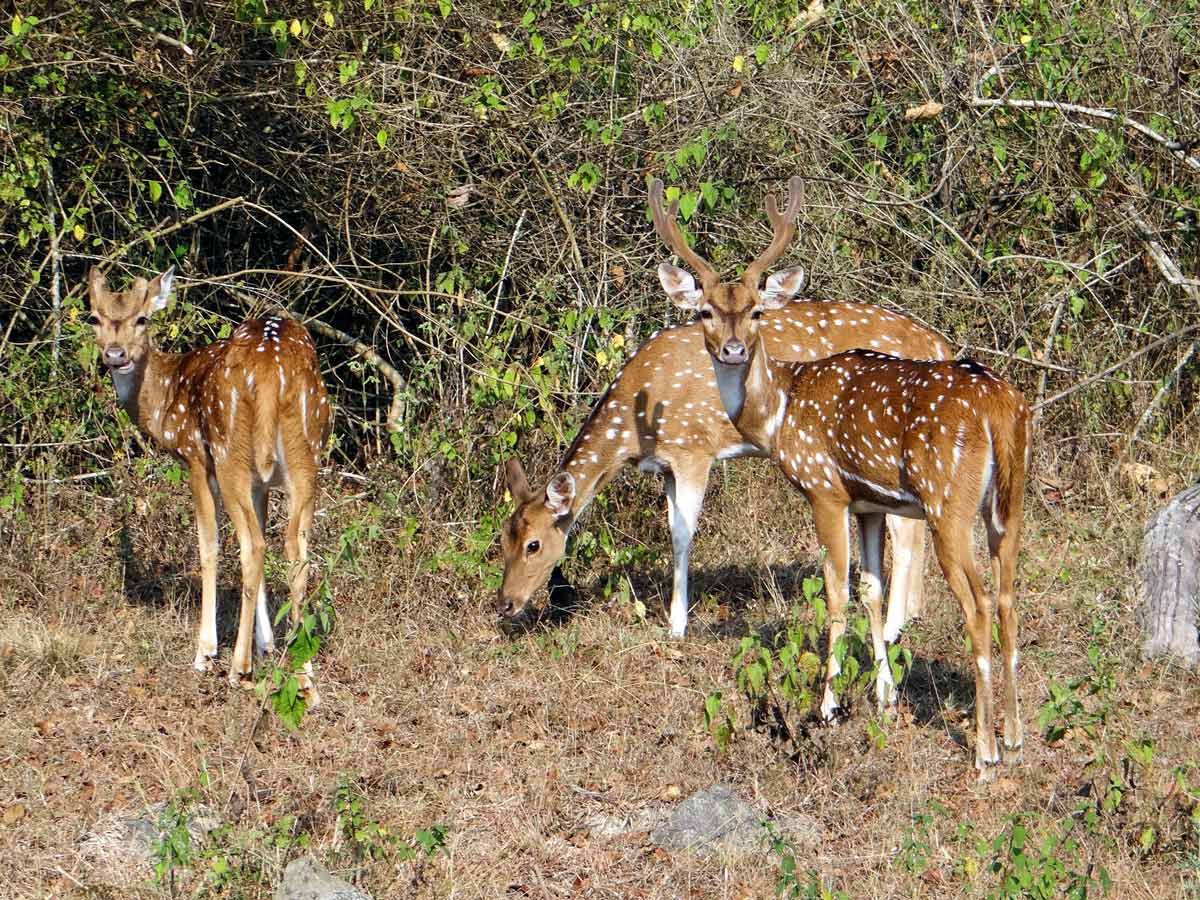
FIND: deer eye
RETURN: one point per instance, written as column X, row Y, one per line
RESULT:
column 756, row 314
column 706, row 313
column 141, row 320
column 92, row 320
column 533, row 547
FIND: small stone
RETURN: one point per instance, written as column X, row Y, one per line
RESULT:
column 307, row 879
column 714, row 818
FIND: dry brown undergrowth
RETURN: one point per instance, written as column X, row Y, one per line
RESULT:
column 532, row 749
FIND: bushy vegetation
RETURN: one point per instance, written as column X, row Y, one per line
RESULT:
column 462, row 187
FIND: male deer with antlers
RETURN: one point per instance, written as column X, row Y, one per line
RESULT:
column 243, row 414
column 869, row 434
column 664, row 414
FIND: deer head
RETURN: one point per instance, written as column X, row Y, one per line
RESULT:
column 119, row 318
column 730, row 311
column 534, row 537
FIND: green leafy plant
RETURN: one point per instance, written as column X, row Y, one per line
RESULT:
column 1052, row 867
column 790, row 883
column 173, row 849
column 720, row 722
column 369, row 839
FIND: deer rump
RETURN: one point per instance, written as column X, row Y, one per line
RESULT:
column 250, row 409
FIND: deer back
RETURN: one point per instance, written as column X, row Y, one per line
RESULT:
column 886, row 429
column 239, row 398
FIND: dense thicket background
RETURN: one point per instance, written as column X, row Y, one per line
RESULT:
column 461, row 187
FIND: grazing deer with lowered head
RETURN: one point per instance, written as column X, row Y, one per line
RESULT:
column 868, row 434
column 243, row 415
column 663, row 413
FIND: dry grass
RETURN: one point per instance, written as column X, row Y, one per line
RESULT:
column 535, row 750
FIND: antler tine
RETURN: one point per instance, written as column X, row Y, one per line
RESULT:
column 784, row 227
column 668, row 229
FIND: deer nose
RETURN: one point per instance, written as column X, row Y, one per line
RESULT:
column 504, row 606
column 733, row 352
column 115, row 355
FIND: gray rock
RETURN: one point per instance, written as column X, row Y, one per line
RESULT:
column 714, row 818
column 307, row 879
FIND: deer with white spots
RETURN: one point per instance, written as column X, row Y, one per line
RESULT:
column 243, row 415
column 868, row 434
column 663, row 413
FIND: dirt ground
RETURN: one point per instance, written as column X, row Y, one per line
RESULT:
column 545, row 755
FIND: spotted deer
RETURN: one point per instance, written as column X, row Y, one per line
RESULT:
column 663, row 413
column 868, row 434
column 243, row 415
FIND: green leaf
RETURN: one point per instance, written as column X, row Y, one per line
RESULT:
column 688, row 203
column 154, row 189
column 381, row 138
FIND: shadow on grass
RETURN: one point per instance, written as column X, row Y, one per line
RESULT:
column 940, row 693
column 145, row 578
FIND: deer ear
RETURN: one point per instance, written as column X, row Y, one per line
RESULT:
column 783, row 286
column 518, row 484
column 560, row 493
column 680, row 286
column 160, row 289
column 97, row 284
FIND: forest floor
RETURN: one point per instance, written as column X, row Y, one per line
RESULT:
column 545, row 755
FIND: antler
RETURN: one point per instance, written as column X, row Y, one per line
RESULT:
column 668, row 229
column 784, row 226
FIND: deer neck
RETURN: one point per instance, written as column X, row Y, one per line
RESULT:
column 755, row 396
column 606, row 441
column 142, row 391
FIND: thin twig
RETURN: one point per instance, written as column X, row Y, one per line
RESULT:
column 1169, row 269
column 170, row 229
column 1048, row 347
column 1167, row 339
column 1174, row 147
column 504, row 271
column 1161, row 393
column 396, row 412
column 55, row 264
column 160, row 37
column 562, row 216
column 1036, row 363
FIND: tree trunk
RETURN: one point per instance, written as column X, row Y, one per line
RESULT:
column 1169, row 580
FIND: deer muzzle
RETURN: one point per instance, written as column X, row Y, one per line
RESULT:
column 115, row 357
column 733, row 353
column 507, row 607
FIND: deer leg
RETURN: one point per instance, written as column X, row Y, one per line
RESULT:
column 954, row 551
column 906, row 598
column 833, row 531
column 301, row 505
column 264, row 631
column 1003, row 548
column 206, row 529
column 240, row 507
column 685, row 495
column 870, row 535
